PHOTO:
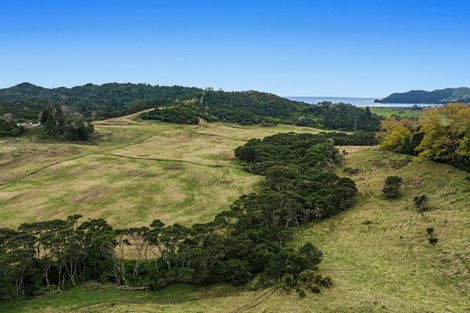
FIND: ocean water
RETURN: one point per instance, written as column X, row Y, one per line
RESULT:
column 359, row 102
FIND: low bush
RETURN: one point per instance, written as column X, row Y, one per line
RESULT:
column 391, row 189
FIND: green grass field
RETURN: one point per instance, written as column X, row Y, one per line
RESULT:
column 401, row 112
column 138, row 172
column 377, row 252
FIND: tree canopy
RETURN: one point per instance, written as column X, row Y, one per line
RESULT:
column 442, row 135
column 26, row 101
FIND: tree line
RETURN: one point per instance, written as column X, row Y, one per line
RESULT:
column 64, row 123
column 441, row 134
column 26, row 101
column 8, row 127
column 252, row 107
column 248, row 242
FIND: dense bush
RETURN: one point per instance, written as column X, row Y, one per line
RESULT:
column 442, row 135
column 65, row 124
column 249, row 240
column 247, row 107
column 421, row 202
column 9, row 128
column 343, row 116
column 358, row 138
column 107, row 100
column 391, row 188
column 254, row 107
column 177, row 113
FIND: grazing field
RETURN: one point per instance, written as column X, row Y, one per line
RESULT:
column 377, row 253
column 139, row 171
column 401, row 112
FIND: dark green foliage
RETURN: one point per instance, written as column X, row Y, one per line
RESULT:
column 250, row 240
column 9, row 128
column 307, row 281
column 343, row 116
column 178, row 113
column 421, row 202
column 107, row 100
column 248, row 107
column 56, row 253
column 432, row 236
column 254, row 107
column 65, row 124
column 358, row 138
column 391, row 187
column 433, row 241
column 44, row 116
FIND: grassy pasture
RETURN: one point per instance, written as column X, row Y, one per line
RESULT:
column 377, row 254
column 138, row 171
column 401, row 112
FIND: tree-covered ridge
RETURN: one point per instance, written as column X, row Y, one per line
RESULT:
column 105, row 100
column 442, row 135
column 251, row 107
column 248, row 241
column 438, row 96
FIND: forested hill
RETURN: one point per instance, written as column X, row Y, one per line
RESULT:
column 447, row 95
column 106, row 100
column 183, row 105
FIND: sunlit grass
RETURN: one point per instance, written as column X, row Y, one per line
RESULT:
column 377, row 254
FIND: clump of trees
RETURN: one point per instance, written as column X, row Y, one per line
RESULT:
column 357, row 138
column 442, row 135
column 250, row 240
column 391, row 188
column 104, row 101
column 344, row 116
column 65, row 124
column 253, row 107
column 178, row 112
column 8, row 127
column 244, row 107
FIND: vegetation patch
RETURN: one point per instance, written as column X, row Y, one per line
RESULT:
column 248, row 240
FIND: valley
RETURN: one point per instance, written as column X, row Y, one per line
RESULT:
column 377, row 252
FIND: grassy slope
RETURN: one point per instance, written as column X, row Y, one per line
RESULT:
column 377, row 253
column 139, row 172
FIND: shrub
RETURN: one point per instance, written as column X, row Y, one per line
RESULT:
column 351, row 170
column 421, row 202
column 432, row 236
column 391, row 187
column 9, row 128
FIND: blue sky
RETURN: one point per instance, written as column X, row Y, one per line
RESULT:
column 321, row 48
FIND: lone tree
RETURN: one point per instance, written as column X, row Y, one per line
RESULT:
column 391, row 187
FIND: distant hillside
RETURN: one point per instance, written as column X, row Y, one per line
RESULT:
column 26, row 101
column 438, row 96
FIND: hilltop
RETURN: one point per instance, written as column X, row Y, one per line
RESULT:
column 25, row 102
column 439, row 96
